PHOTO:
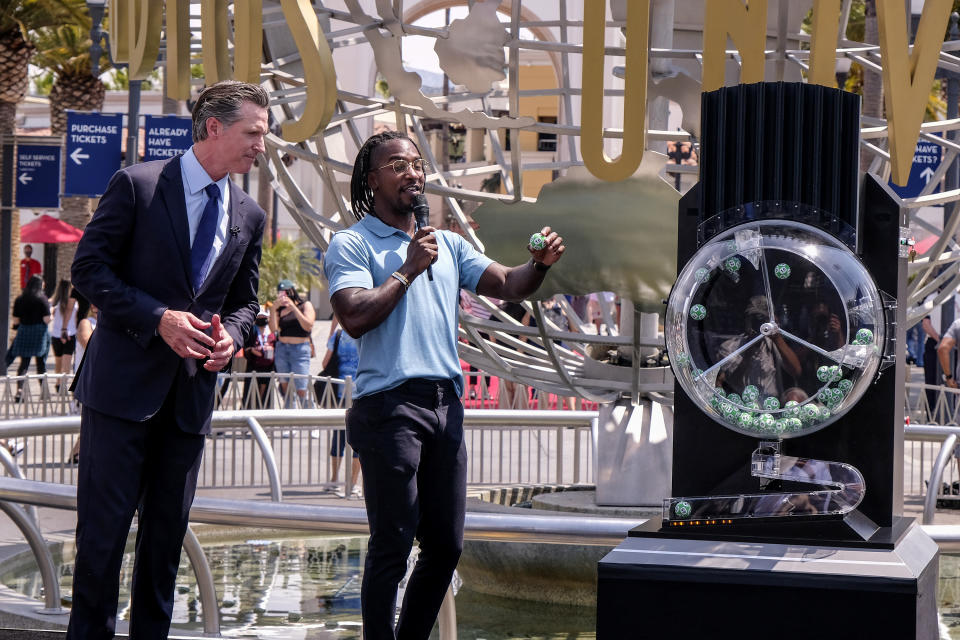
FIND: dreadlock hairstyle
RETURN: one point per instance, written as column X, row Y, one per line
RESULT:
column 361, row 196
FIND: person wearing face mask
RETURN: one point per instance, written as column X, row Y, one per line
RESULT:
column 292, row 318
column 258, row 352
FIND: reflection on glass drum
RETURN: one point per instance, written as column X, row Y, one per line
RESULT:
column 794, row 334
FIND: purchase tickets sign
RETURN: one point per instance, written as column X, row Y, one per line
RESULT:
column 93, row 152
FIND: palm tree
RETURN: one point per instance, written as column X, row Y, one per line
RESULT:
column 18, row 19
column 64, row 51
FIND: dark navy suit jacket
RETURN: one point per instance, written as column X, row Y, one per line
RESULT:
column 133, row 263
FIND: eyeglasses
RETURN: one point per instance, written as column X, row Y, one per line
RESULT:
column 401, row 166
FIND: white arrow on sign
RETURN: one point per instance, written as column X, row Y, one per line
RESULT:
column 926, row 174
column 25, row 178
column 76, row 156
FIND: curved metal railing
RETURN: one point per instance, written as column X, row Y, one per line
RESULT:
column 35, row 396
column 481, row 526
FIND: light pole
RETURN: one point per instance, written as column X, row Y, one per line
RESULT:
column 96, row 9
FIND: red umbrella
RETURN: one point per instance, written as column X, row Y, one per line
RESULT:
column 49, row 229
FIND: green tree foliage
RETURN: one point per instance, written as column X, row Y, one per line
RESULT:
column 119, row 80
column 292, row 261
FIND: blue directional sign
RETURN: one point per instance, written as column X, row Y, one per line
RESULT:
column 38, row 176
column 93, row 152
column 166, row 136
column 926, row 160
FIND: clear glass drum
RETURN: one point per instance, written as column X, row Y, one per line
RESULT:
column 775, row 328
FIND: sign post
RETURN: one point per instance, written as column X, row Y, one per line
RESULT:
column 6, row 236
column 166, row 136
column 38, row 176
column 93, row 152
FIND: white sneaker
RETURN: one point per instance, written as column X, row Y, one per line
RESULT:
column 356, row 492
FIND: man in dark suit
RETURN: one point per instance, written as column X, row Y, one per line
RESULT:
column 171, row 259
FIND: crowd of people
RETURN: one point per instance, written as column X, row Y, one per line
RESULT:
column 63, row 324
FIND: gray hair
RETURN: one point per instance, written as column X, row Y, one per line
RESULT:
column 223, row 101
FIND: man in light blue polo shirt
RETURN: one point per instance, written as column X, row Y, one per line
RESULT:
column 407, row 420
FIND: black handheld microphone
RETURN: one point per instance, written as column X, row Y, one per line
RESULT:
column 421, row 213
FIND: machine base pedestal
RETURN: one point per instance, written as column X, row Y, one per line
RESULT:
column 657, row 586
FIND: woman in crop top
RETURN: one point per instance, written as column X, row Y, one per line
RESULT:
column 292, row 318
column 63, row 335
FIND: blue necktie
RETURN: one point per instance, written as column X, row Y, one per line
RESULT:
column 203, row 241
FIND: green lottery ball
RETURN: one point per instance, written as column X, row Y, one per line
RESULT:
column 767, row 422
column 735, row 399
column 793, row 408
column 846, row 386
column 745, row 420
column 538, row 241
column 824, row 374
column 794, row 424
column 682, row 509
column 858, row 342
column 732, row 264
column 751, row 393
column 771, row 404
column 825, row 413
column 809, row 414
column 698, row 312
column 865, row 336
column 720, row 392
column 682, row 359
column 836, row 373
column 782, row 271
column 696, row 373
column 702, row 274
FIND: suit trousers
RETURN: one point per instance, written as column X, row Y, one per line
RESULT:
column 145, row 467
column 411, row 448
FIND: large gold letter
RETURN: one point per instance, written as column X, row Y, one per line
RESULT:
column 823, row 39
column 908, row 76
column 178, row 49
column 146, row 24
column 319, row 76
column 634, row 95
column 120, row 37
column 248, row 40
column 213, row 40
column 746, row 24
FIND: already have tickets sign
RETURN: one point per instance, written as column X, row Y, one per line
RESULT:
column 166, row 136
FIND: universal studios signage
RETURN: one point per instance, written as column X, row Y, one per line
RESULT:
column 136, row 27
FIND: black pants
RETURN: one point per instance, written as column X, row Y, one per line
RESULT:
column 25, row 364
column 149, row 467
column 930, row 363
column 410, row 443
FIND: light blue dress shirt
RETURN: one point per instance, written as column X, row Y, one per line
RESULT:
column 195, row 180
column 419, row 337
